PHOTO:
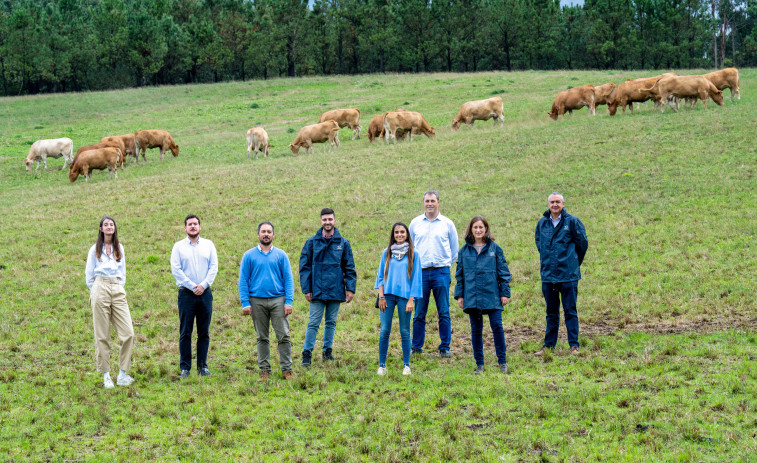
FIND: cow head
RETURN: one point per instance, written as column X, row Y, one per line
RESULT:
column 29, row 164
column 174, row 149
column 73, row 174
column 295, row 148
column 430, row 132
column 612, row 106
column 267, row 148
column 552, row 114
column 717, row 97
column 455, row 124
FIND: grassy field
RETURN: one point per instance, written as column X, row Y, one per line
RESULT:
column 667, row 370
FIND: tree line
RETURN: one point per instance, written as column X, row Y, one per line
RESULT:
column 75, row 45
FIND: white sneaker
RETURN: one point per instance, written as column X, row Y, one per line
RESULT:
column 406, row 370
column 108, row 383
column 123, row 380
column 381, row 371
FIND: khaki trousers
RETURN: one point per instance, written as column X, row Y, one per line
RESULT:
column 108, row 300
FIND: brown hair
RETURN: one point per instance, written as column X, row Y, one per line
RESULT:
column 410, row 253
column 101, row 240
column 469, row 230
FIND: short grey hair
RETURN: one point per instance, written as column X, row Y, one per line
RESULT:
column 431, row 192
column 555, row 193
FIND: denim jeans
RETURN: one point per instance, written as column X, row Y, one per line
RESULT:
column 568, row 293
column 317, row 309
column 193, row 307
column 438, row 281
column 387, row 316
column 476, row 334
column 267, row 312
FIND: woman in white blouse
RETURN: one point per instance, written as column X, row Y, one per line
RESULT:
column 106, row 275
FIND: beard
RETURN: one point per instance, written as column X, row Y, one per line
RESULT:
column 193, row 237
column 265, row 241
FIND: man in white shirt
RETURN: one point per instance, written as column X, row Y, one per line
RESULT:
column 194, row 264
column 435, row 240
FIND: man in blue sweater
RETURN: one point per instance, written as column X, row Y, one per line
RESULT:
column 327, row 278
column 562, row 244
column 266, row 290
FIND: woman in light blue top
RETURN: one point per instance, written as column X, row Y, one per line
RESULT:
column 105, row 277
column 399, row 283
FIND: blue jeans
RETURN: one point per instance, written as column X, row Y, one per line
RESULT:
column 193, row 307
column 568, row 293
column 387, row 316
column 317, row 308
column 438, row 281
column 476, row 335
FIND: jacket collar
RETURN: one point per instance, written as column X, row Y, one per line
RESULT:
column 487, row 243
column 548, row 214
column 319, row 234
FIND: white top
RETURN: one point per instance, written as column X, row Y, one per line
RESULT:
column 434, row 240
column 106, row 267
column 194, row 264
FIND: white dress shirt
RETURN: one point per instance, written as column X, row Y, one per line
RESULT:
column 107, row 266
column 194, row 264
column 434, row 240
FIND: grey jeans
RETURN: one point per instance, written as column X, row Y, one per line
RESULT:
column 267, row 312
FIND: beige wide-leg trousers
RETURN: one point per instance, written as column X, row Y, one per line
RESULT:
column 108, row 300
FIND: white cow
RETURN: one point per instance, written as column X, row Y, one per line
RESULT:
column 51, row 148
column 257, row 140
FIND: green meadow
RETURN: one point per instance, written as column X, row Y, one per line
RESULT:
column 667, row 370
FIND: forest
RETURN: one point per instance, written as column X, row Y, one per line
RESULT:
column 80, row 45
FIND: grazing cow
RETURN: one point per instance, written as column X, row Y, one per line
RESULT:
column 107, row 144
column 635, row 90
column 316, row 133
column 726, row 78
column 257, row 139
column 125, row 142
column 101, row 158
column 144, row 139
column 573, row 98
column 480, row 110
column 397, row 123
column 689, row 87
column 603, row 93
column 376, row 128
column 345, row 118
column 51, row 148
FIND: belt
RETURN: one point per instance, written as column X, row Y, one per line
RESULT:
column 432, row 268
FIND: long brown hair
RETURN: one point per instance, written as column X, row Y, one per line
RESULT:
column 410, row 254
column 101, row 240
column 469, row 231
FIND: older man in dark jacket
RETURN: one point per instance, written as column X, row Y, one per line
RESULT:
column 562, row 244
column 327, row 278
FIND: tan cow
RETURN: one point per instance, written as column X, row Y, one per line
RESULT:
column 397, row 123
column 376, row 128
column 345, row 118
column 87, row 161
column 316, row 133
column 480, row 110
column 602, row 93
column 726, row 78
column 257, row 140
column 635, row 90
column 125, row 142
column 51, row 148
column 689, row 87
column 573, row 98
column 144, row 139
column 107, row 144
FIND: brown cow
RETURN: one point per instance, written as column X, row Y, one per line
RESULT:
column 345, row 118
column 97, row 146
column 316, row 133
column 689, row 87
column 480, row 110
column 602, row 93
column 574, row 98
column 144, row 139
column 635, row 90
column 397, row 123
column 376, row 128
column 126, row 144
column 87, row 161
column 726, row 78
column 257, row 140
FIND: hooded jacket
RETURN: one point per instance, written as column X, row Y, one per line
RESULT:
column 561, row 249
column 327, row 268
column 482, row 278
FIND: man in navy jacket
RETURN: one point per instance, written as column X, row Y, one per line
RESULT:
column 562, row 244
column 327, row 278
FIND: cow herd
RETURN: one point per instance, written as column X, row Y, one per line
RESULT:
column 112, row 151
column 665, row 89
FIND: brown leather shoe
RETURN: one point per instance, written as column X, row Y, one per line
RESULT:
column 574, row 350
column 288, row 374
column 540, row 352
column 264, row 375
